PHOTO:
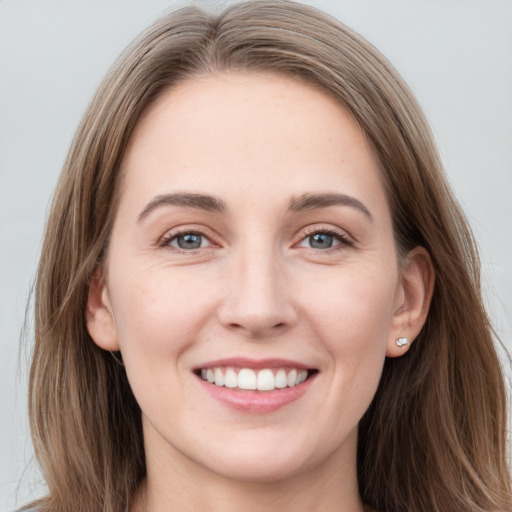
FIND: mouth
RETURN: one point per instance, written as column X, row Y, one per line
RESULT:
column 255, row 386
column 264, row 379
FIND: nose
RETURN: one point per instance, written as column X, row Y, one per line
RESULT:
column 258, row 299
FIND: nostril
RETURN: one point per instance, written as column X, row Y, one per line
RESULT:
column 257, row 328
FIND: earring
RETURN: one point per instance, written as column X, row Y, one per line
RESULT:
column 400, row 342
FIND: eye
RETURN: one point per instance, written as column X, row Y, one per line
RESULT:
column 187, row 241
column 323, row 239
column 319, row 241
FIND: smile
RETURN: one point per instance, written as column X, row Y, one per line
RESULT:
column 255, row 386
column 264, row 379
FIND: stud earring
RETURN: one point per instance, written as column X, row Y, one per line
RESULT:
column 400, row 342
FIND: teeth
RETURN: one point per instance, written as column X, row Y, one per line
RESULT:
column 266, row 381
column 292, row 378
column 246, row 378
column 281, row 379
column 231, row 379
column 219, row 377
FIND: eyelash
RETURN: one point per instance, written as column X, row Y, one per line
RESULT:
column 342, row 238
column 165, row 242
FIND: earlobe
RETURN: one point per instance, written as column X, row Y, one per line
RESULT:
column 99, row 315
column 415, row 294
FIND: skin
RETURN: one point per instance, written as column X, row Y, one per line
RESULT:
column 256, row 288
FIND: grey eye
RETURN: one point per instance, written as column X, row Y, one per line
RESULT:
column 320, row 241
column 189, row 241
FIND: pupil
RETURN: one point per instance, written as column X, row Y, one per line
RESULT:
column 189, row 241
column 320, row 241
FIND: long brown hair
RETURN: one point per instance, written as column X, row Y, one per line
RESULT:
column 434, row 437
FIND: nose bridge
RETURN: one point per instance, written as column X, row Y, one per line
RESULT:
column 258, row 300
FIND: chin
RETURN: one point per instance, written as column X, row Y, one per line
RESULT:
column 263, row 469
column 274, row 460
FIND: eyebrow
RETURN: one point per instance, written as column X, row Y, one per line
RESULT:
column 187, row 199
column 306, row 202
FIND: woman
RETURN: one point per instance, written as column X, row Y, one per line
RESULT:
column 256, row 290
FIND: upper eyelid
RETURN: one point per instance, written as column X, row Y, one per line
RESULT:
column 330, row 230
column 319, row 228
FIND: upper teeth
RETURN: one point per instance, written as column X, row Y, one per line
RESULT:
column 246, row 378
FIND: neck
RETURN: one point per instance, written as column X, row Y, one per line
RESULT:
column 176, row 483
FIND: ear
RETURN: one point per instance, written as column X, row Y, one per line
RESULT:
column 413, row 300
column 99, row 315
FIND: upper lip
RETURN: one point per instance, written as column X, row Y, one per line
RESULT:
column 244, row 362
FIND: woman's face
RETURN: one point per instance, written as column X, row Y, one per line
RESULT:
column 252, row 248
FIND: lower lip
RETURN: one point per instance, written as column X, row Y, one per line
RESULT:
column 257, row 402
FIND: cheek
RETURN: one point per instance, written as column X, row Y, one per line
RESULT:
column 352, row 315
column 157, row 311
column 354, row 304
column 159, row 315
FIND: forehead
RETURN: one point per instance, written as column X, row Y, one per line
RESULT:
column 261, row 131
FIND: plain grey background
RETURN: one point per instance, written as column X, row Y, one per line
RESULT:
column 455, row 54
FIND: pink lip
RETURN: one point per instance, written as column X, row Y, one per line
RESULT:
column 256, row 402
column 243, row 362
